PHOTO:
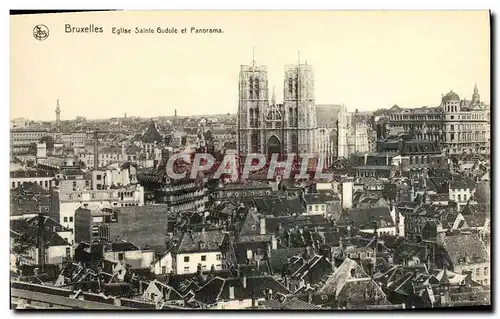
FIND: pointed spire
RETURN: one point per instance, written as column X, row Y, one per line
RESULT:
column 274, row 96
column 476, row 90
column 298, row 56
column 253, row 56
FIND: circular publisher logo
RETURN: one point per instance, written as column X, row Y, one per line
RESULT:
column 41, row 32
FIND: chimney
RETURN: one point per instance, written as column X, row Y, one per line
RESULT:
column 263, row 225
column 274, row 242
column 41, row 244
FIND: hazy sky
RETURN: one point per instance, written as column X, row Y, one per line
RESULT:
column 364, row 59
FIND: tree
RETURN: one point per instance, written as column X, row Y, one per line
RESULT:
column 49, row 141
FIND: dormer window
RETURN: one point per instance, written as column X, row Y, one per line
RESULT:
column 202, row 245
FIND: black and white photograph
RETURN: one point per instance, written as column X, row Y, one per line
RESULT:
column 250, row 160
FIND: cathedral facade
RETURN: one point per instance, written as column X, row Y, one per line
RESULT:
column 297, row 125
column 266, row 127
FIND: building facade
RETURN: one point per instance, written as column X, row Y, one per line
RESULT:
column 268, row 128
column 70, row 201
column 462, row 126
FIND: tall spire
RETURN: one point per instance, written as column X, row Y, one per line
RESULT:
column 274, row 97
column 253, row 56
column 298, row 56
column 58, row 116
column 475, row 96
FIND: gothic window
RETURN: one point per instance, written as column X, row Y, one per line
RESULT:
column 290, row 85
column 297, row 87
column 250, row 85
column 257, row 88
column 251, row 118
column 295, row 143
column 254, row 142
column 290, row 116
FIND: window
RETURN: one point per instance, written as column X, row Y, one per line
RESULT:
column 120, row 256
column 477, row 271
column 71, row 219
column 486, row 271
column 186, row 259
column 65, row 219
column 219, row 256
column 163, row 269
column 186, row 269
column 486, row 281
column 203, row 258
column 98, row 177
column 13, row 184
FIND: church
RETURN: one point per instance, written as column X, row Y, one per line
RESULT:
column 298, row 125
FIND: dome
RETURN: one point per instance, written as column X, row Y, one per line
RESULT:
column 451, row 97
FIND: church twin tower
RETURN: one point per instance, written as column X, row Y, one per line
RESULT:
column 265, row 127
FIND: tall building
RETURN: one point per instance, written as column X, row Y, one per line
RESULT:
column 268, row 128
column 354, row 135
column 253, row 102
column 300, row 109
column 466, row 124
column 462, row 126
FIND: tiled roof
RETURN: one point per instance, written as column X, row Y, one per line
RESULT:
column 363, row 218
column 327, row 115
column 152, row 135
column 296, row 304
column 348, row 270
column 465, row 248
column 31, row 174
column 477, row 220
column 321, row 197
column 123, row 246
column 200, row 241
column 257, row 286
column 280, row 256
column 278, row 207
